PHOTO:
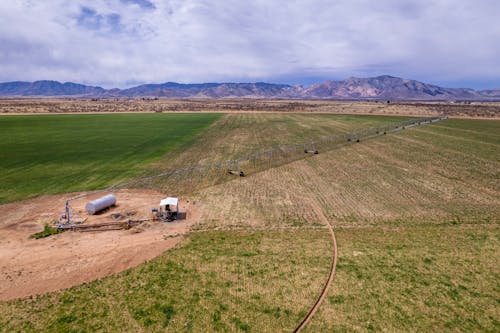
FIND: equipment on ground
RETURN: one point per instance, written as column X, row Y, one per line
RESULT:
column 169, row 210
column 100, row 204
column 236, row 172
column 69, row 216
column 311, row 151
column 234, row 169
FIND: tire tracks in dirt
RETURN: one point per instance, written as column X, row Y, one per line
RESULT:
column 319, row 212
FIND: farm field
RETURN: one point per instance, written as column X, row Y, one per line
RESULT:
column 417, row 223
column 238, row 135
column 434, row 277
column 67, row 153
column 416, row 215
column 22, row 219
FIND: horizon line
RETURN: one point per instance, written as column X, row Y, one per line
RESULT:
column 242, row 82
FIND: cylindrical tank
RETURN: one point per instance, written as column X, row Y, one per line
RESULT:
column 99, row 204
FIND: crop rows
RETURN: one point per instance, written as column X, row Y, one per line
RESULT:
column 187, row 179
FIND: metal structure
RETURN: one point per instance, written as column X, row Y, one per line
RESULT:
column 235, row 169
column 169, row 210
column 311, row 151
column 210, row 174
column 100, row 204
column 69, row 216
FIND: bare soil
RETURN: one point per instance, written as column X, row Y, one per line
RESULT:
column 35, row 266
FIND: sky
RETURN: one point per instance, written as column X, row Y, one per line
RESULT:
column 121, row 43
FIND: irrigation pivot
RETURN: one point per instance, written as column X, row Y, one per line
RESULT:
column 260, row 160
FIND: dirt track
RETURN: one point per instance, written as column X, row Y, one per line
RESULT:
column 317, row 209
column 36, row 266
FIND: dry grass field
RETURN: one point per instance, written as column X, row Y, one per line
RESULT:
column 416, row 215
column 417, row 223
column 415, row 174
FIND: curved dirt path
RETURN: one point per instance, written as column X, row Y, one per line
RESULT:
column 326, row 287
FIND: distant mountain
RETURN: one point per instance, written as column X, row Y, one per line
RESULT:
column 386, row 87
column 210, row 90
column 376, row 88
column 495, row 93
column 47, row 88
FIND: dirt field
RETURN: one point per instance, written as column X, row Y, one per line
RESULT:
column 35, row 266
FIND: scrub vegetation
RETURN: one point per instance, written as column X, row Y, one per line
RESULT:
column 46, row 232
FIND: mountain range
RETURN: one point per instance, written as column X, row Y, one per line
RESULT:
column 376, row 88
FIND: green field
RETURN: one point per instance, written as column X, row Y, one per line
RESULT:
column 67, row 153
column 417, row 219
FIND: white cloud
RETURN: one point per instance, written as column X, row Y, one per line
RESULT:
column 113, row 42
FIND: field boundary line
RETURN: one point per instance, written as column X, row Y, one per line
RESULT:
column 331, row 274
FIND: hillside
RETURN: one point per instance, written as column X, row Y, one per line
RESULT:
column 386, row 87
column 47, row 88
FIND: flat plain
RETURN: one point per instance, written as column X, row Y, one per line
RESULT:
column 487, row 110
column 416, row 216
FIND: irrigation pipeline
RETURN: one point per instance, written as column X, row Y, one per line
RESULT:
column 328, row 142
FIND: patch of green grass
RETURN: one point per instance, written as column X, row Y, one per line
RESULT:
column 46, row 232
column 66, row 153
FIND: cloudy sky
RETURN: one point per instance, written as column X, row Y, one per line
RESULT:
column 119, row 43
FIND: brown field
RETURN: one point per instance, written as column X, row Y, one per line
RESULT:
column 486, row 110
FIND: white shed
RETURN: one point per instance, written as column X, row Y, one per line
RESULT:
column 169, row 203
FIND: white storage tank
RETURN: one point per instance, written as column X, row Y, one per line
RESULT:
column 99, row 204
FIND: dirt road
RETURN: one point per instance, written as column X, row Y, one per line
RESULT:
column 319, row 212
